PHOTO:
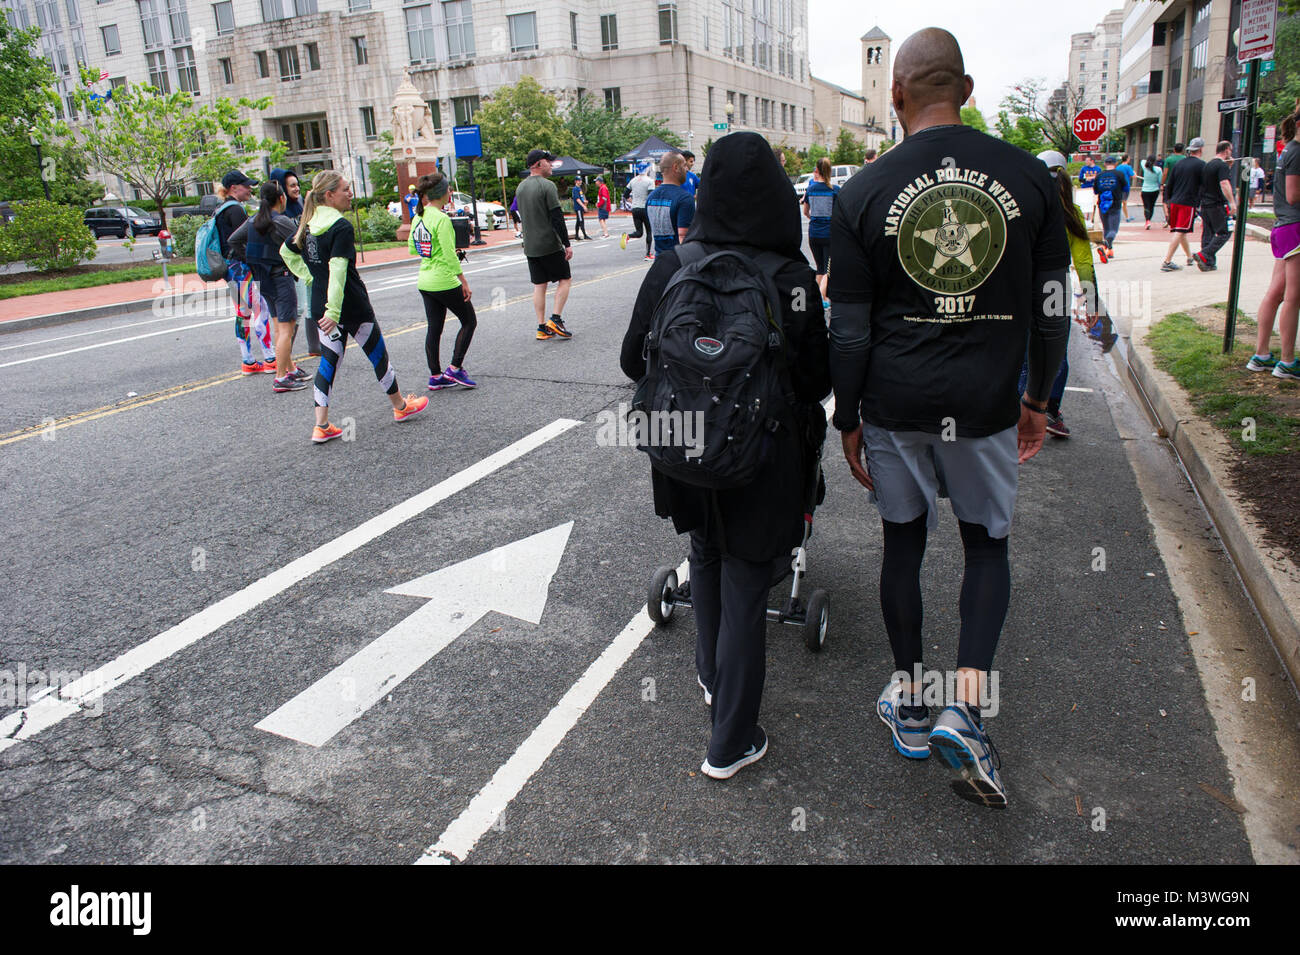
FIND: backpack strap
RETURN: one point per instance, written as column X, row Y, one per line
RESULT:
column 690, row 252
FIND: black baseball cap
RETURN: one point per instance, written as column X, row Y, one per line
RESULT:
column 536, row 156
column 237, row 178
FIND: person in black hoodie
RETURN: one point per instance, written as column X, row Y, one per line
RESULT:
column 738, row 535
column 292, row 188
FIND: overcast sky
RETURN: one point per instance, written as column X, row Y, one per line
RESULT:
column 1002, row 41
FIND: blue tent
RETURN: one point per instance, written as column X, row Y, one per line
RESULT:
column 652, row 149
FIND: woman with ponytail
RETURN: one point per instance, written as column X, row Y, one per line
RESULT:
column 1281, row 302
column 442, row 283
column 323, row 253
column 258, row 242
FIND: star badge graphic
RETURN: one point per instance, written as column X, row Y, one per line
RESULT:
column 952, row 239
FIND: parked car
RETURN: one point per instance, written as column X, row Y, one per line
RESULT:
column 801, row 185
column 120, row 221
column 206, row 207
column 491, row 215
column 842, row 174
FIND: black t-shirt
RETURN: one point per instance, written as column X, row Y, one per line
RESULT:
column 942, row 236
column 228, row 220
column 1215, row 172
column 338, row 241
column 1184, row 186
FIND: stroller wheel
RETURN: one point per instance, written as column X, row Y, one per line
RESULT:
column 814, row 626
column 659, row 603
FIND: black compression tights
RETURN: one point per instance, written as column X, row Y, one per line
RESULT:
column 985, row 593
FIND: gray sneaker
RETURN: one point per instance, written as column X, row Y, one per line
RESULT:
column 966, row 749
column 1171, row 267
column 911, row 736
column 1290, row 372
column 1261, row 362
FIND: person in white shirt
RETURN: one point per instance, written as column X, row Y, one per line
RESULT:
column 1257, row 182
column 639, row 190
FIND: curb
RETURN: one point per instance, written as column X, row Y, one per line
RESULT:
column 124, row 308
column 1270, row 578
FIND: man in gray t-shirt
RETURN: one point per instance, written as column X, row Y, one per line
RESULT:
column 639, row 190
column 546, row 243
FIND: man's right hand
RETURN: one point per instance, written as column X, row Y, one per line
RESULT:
column 568, row 252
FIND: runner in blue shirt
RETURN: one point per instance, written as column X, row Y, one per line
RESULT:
column 692, row 181
column 670, row 208
column 818, row 201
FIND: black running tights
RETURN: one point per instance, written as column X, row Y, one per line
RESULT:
column 985, row 593
column 436, row 305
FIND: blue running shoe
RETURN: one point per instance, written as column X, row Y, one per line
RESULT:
column 966, row 749
column 459, row 377
column 1262, row 362
column 439, row 382
column 911, row 735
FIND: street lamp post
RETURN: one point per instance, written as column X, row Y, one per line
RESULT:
column 729, row 109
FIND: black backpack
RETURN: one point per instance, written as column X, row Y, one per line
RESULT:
column 716, row 385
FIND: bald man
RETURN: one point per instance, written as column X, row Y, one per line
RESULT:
column 948, row 258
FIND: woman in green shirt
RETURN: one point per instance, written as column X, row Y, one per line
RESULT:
column 442, row 283
column 1151, row 172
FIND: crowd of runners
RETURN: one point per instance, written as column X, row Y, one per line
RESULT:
column 949, row 252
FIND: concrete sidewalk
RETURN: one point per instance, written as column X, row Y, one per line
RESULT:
column 1139, row 295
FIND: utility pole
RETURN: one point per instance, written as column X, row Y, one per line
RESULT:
column 1243, row 198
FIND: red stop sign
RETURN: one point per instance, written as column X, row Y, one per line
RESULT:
column 1090, row 124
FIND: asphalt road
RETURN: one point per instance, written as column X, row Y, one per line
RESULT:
column 154, row 498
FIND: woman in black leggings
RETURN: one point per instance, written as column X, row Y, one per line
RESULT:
column 442, row 283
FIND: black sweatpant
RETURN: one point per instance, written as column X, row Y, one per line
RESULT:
column 1149, row 203
column 1214, row 230
column 729, row 596
column 579, row 226
column 436, row 305
column 642, row 222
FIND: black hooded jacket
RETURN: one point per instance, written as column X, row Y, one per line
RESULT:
column 745, row 202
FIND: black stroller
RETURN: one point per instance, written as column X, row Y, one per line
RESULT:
column 812, row 615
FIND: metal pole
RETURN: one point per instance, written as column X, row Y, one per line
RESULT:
column 1243, row 197
column 473, row 199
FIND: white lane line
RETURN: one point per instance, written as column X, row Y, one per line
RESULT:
column 459, row 839
column 99, row 331
column 1086, row 391
column 46, row 712
column 116, row 341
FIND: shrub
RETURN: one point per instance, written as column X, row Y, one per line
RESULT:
column 183, row 231
column 47, row 236
column 378, row 226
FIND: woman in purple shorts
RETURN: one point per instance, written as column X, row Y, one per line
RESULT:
column 1282, row 300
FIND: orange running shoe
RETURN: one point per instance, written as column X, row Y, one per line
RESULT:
column 252, row 368
column 413, row 407
column 320, row 435
column 268, row 367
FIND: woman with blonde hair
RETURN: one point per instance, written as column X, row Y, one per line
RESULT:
column 323, row 253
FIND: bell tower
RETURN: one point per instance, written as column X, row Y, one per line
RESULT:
column 875, row 76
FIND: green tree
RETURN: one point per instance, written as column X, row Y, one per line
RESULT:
column 1279, row 91
column 1021, row 131
column 848, row 149
column 815, row 152
column 515, row 120
column 973, row 118
column 603, row 134
column 155, row 142
column 1054, row 127
column 47, row 236
column 383, row 170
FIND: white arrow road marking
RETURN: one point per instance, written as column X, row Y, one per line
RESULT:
column 460, row 838
column 46, row 712
column 513, row 579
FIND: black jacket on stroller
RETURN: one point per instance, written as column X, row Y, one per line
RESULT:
column 748, row 205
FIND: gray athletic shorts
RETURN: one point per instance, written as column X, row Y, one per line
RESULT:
column 910, row 469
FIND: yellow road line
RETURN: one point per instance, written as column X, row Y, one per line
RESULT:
column 176, row 391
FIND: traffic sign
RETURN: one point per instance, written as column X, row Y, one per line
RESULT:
column 1232, row 105
column 1090, row 124
column 468, row 141
column 502, row 168
column 1258, row 30
column 719, row 125
column 1089, row 147
column 1268, row 66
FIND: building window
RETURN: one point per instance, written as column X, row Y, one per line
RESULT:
column 225, row 14
column 710, row 112
column 313, row 56
column 186, row 70
column 72, row 108
column 744, row 108
column 263, row 70
column 227, row 71
column 727, row 40
column 1200, row 58
column 523, row 32
column 419, row 33
column 117, row 83
column 150, row 23
column 179, row 20
column 289, row 68
column 284, row 9
column 573, row 30
column 667, row 22
column 459, row 16
column 609, row 31
column 157, row 64
column 464, row 108
column 435, row 108
column 356, row 5
column 368, row 122
column 613, row 98
column 359, row 49
column 112, row 45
